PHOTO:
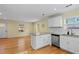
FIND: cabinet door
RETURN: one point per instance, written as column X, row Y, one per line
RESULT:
column 47, row 39
column 33, row 41
column 74, row 44
column 39, row 42
column 44, row 40
column 60, row 21
column 55, row 22
column 64, row 42
column 50, row 22
column 70, row 43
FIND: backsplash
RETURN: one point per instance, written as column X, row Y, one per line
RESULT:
column 63, row 31
column 57, row 30
column 75, row 31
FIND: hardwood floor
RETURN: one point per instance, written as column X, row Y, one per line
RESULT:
column 23, row 46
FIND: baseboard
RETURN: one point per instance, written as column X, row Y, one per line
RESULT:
column 19, row 36
column 66, row 51
column 3, row 38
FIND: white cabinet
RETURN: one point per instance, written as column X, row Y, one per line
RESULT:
column 64, row 42
column 74, row 44
column 33, row 39
column 55, row 22
column 46, row 39
column 40, row 41
column 70, row 43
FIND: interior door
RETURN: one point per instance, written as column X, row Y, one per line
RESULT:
column 2, row 30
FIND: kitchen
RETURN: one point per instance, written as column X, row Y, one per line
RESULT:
column 62, row 34
column 60, row 29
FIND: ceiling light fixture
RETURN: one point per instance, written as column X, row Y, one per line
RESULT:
column 0, row 13
column 68, row 5
column 43, row 14
column 55, row 9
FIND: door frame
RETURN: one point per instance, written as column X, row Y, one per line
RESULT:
column 4, row 22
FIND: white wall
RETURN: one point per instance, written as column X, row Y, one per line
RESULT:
column 41, row 26
column 12, row 28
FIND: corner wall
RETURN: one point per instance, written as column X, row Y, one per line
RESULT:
column 12, row 28
column 41, row 26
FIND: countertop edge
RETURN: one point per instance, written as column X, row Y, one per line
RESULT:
column 70, row 35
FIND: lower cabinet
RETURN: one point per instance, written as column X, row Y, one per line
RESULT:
column 46, row 39
column 64, row 42
column 40, row 41
column 74, row 45
column 70, row 43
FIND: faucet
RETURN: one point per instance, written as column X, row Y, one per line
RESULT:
column 70, row 32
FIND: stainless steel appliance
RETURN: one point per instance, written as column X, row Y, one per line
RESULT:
column 55, row 40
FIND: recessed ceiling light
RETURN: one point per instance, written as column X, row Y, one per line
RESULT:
column 0, row 13
column 55, row 9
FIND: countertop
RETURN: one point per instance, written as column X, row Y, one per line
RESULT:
column 38, row 34
column 70, row 35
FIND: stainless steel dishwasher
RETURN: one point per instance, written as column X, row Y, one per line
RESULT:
column 55, row 40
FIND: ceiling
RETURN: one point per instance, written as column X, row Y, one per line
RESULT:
column 32, row 12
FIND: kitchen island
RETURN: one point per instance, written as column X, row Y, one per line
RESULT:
column 40, row 40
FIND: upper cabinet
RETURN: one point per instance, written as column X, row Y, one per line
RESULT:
column 55, row 22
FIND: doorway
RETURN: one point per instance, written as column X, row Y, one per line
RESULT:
column 3, row 30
